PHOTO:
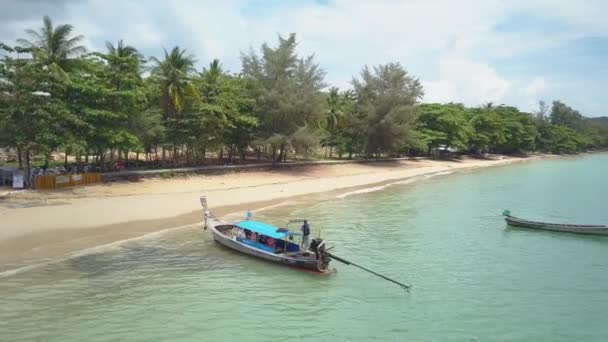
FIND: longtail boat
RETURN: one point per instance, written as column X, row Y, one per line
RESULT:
column 268, row 242
column 557, row 227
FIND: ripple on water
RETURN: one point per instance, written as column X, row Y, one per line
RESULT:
column 474, row 279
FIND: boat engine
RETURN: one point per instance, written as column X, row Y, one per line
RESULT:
column 317, row 245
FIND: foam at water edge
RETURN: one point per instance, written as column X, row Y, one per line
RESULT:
column 362, row 191
column 239, row 215
column 401, row 182
column 93, row 250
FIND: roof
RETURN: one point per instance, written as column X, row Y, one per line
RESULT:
column 264, row 229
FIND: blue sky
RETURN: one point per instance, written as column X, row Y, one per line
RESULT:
column 471, row 51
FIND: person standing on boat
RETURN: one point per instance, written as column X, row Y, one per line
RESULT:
column 249, row 215
column 305, row 235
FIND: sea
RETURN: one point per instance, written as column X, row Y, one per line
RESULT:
column 473, row 278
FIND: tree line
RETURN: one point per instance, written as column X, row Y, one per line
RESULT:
column 101, row 106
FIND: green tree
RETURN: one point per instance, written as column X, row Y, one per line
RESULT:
column 443, row 124
column 33, row 118
column 287, row 92
column 387, row 96
column 124, row 63
column 519, row 133
column 333, row 120
column 350, row 135
column 174, row 76
column 54, row 46
column 174, row 73
column 487, row 130
column 223, row 115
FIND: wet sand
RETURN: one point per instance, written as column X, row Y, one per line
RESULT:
column 38, row 226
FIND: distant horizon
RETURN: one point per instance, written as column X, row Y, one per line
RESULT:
column 514, row 53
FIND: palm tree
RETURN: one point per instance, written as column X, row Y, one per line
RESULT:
column 333, row 109
column 122, row 50
column 124, row 61
column 334, row 113
column 175, row 72
column 210, row 77
column 53, row 46
column 488, row 106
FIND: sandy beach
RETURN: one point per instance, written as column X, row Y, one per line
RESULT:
column 38, row 226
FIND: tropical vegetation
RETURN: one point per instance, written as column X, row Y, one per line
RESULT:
column 99, row 107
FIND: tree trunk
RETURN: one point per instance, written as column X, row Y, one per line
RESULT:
column 259, row 152
column 65, row 160
column 230, row 153
column 281, row 150
column 102, row 159
column 325, row 156
column 27, row 167
column 86, row 157
column 19, row 157
column 242, row 151
column 331, row 151
column 350, row 155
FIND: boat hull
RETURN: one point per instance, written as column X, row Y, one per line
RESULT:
column 307, row 264
column 556, row 227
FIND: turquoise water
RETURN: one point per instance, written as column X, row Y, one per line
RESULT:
column 473, row 278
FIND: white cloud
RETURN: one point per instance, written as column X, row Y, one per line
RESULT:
column 467, row 82
column 454, row 47
column 536, row 87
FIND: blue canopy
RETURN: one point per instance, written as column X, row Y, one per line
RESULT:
column 264, row 229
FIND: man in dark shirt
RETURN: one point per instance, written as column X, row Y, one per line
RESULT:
column 305, row 235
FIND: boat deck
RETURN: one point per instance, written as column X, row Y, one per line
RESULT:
column 230, row 232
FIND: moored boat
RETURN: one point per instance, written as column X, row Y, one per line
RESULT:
column 557, row 227
column 268, row 242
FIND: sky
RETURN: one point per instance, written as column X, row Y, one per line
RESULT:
column 513, row 52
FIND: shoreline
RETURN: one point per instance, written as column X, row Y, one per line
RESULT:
column 54, row 225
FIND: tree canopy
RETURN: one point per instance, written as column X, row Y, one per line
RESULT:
column 101, row 106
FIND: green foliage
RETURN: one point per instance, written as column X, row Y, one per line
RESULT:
column 54, row 97
column 53, row 47
column 33, row 118
column 174, row 73
column 443, row 125
column 223, row 113
column 286, row 89
column 386, row 97
column 563, row 115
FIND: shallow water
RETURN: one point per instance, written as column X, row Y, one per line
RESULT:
column 474, row 279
